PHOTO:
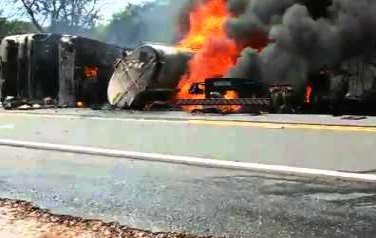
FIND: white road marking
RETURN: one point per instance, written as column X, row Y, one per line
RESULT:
column 8, row 126
column 211, row 163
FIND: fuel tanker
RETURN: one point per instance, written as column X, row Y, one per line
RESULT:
column 149, row 73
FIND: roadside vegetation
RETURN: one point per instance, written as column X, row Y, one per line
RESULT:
column 130, row 25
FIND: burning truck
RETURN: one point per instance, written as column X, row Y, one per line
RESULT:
column 320, row 58
column 53, row 69
column 152, row 73
column 235, row 56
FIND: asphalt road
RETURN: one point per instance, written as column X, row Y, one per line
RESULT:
column 165, row 197
column 231, row 138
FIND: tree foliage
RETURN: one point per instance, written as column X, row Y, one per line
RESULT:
column 61, row 15
column 135, row 23
column 14, row 27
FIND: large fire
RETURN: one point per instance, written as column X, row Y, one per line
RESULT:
column 205, row 21
column 215, row 54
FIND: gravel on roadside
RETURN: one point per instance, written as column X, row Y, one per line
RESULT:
column 21, row 219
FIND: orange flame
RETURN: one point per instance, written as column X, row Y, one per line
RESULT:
column 206, row 20
column 309, row 91
column 231, row 95
column 91, row 72
column 213, row 60
column 216, row 53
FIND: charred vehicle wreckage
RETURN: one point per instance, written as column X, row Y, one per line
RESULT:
column 51, row 70
column 41, row 70
column 151, row 73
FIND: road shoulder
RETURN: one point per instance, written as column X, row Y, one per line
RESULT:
column 22, row 219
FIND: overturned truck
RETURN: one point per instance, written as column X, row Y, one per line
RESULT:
column 149, row 73
column 67, row 70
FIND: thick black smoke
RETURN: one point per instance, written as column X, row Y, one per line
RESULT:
column 248, row 66
column 308, row 34
column 254, row 17
column 286, row 21
column 356, row 22
column 307, row 43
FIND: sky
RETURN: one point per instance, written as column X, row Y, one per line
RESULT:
column 112, row 6
column 107, row 7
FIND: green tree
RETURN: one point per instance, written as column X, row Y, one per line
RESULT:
column 60, row 16
column 15, row 27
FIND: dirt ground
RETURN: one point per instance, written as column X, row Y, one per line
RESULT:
column 20, row 219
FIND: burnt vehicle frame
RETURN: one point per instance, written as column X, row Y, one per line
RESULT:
column 141, row 79
column 39, row 66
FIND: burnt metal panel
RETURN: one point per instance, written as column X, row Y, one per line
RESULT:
column 148, row 69
column 132, row 76
column 40, row 66
column 67, row 53
column 9, row 67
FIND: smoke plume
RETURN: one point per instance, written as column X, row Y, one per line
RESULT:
column 248, row 66
column 159, row 22
column 152, row 21
column 306, row 35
